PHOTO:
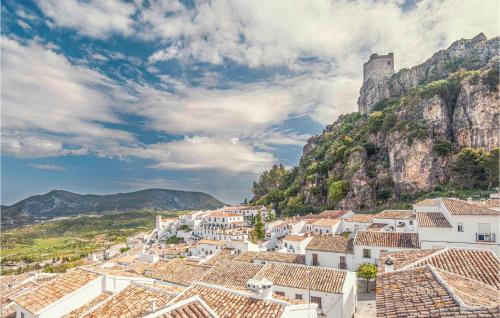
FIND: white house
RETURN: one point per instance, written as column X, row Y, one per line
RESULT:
column 70, row 291
column 249, row 211
column 369, row 244
column 222, row 219
column 206, row 247
column 396, row 220
column 330, row 251
column 357, row 222
column 334, row 291
column 325, row 227
column 295, row 243
column 166, row 227
column 446, row 222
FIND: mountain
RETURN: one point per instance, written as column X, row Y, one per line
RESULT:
column 58, row 203
column 428, row 130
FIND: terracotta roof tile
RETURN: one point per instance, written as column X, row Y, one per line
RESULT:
column 422, row 292
column 134, row 301
column 459, row 207
column 229, row 304
column 296, row 276
column 295, row 238
column 326, row 222
column 226, row 254
column 395, row 214
column 387, row 239
column 223, row 214
column 361, row 218
column 328, row 243
column 59, row 287
column 431, row 219
column 194, row 308
column 376, row 227
column 212, row 242
column 247, row 256
column 232, row 274
column 88, row 306
column 403, row 258
column 178, row 271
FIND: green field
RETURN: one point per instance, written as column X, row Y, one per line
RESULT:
column 74, row 238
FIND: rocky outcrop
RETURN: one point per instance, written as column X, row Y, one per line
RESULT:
column 466, row 54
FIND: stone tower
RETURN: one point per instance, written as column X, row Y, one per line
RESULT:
column 378, row 66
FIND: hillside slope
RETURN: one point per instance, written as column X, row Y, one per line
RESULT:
column 431, row 128
column 60, row 203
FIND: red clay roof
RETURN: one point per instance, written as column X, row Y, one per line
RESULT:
column 432, row 219
column 387, row 239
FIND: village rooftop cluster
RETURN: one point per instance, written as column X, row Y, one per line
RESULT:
column 438, row 259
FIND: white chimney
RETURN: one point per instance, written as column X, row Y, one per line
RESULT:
column 389, row 265
column 152, row 303
column 266, row 289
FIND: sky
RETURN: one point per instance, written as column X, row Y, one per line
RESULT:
column 108, row 96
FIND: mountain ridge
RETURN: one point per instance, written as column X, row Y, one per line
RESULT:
column 61, row 203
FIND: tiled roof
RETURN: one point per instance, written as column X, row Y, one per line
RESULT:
column 59, row 287
column 387, row 239
column 295, row 238
column 432, row 219
column 193, row 308
column 223, row 214
column 91, row 304
column 326, row 222
column 247, row 256
column 280, row 257
column 212, row 242
column 395, row 214
column 230, row 304
column 428, row 202
column 322, row 279
column 134, row 301
column 481, row 265
column 403, row 258
column 327, row 243
column 178, row 271
column 376, row 227
column 232, row 274
column 361, row 218
column 226, row 254
column 423, row 292
column 459, row 207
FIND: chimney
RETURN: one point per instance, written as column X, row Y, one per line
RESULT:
column 389, row 265
column 152, row 303
column 266, row 289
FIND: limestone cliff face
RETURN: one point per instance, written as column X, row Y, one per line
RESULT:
column 409, row 130
column 469, row 54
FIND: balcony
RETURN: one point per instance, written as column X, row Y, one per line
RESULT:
column 485, row 237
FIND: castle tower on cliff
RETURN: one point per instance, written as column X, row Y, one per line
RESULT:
column 378, row 66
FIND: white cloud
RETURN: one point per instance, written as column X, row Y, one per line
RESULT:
column 203, row 153
column 49, row 103
column 48, row 167
column 93, row 18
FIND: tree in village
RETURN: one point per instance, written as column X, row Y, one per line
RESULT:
column 259, row 227
column 368, row 272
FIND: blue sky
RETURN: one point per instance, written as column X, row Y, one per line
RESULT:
column 110, row 96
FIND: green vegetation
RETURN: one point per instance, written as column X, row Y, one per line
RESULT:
column 259, row 227
column 336, row 190
column 368, row 272
column 475, row 168
column 443, row 147
column 71, row 239
column 185, row 227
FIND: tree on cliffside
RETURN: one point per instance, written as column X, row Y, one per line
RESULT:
column 259, row 227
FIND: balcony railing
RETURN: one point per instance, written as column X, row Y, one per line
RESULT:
column 485, row 237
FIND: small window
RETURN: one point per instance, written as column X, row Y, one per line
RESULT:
column 460, row 227
column 22, row 315
column 316, row 300
column 411, row 222
column 388, row 63
column 298, row 296
column 367, row 253
column 280, row 293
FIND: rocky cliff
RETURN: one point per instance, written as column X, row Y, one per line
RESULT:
column 434, row 127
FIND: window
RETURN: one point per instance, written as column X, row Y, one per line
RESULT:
column 367, row 253
column 411, row 222
column 460, row 227
column 22, row 315
column 298, row 296
column 280, row 293
column 316, row 300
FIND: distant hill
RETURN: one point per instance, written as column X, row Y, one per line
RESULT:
column 58, row 203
